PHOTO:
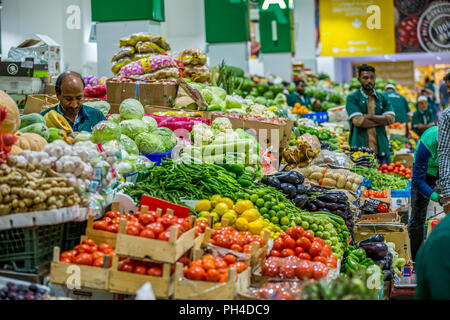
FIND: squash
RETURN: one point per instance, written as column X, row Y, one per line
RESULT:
column 15, row 150
column 12, row 122
column 30, row 141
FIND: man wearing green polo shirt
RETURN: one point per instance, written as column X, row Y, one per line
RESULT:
column 369, row 113
column 70, row 93
column 299, row 95
column 399, row 104
column 423, row 116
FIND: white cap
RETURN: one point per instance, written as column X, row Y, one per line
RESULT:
column 389, row 86
column 422, row 98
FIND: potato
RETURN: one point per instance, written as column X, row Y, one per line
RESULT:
column 348, row 185
column 355, row 187
column 358, row 180
column 316, row 176
column 341, row 182
column 306, row 172
column 329, row 183
column 351, row 178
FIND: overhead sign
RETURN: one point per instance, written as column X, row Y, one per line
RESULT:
column 117, row 10
column 357, row 28
column 400, row 71
column 275, row 26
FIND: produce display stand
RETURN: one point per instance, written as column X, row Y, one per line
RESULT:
column 388, row 199
column 130, row 283
column 101, row 236
column 93, row 278
column 391, row 216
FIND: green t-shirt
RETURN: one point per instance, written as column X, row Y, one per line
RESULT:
column 294, row 98
column 420, row 117
column 430, row 140
column 433, row 264
column 357, row 105
column 399, row 105
column 88, row 117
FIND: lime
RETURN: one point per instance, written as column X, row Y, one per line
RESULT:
column 284, row 221
column 267, row 197
column 268, row 204
column 263, row 210
column 314, row 227
column 282, row 206
column 284, row 228
column 274, row 220
column 276, row 208
column 305, row 225
column 326, row 235
column 320, row 228
column 329, row 227
column 266, row 216
column 254, row 198
column 281, row 214
column 323, row 222
column 259, row 203
column 328, row 242
column 261, row 193
column 272, row 213
column 319, row 234
column 247, row 196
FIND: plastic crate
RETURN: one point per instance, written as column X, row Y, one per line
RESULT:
column 402, row 193
column 72, row 234
column 317, row 116
column 25, row 249
column 131, row 177
column 157, row 158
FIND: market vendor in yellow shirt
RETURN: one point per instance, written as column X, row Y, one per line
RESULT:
column 369, row 113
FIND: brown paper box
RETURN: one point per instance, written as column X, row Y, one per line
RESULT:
column 50, row 89
column 392, row 232
column 147, row 93
column 36, row 103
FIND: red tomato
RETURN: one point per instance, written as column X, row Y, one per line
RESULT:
column 320, row 259
column 229, row 259
column 154, row 271
column 240, row 266
column 83, row 259
column 127, row 267
column 98, row 262
column 110, row 214
column 147, row 233
column 298, row 250
column 68, row 254
column 304, row 243
column 97, row 254
column 146, row 219
column 236, row 247
column 390, row 168
column 320, row 271
column 274, row 253
column 167, row 220
column 89, row 242
column 184, row 260
column 309, row 235
column 289, row 243
column 319, row 240
column 65, row 260
column 132, row 230
column 278, row 244
column 209, row 264
column 304, row 270
column 212, row 275
column 196, row 273
column 83, row 248
column 286, row 253
column 316, row 249
column 164, row 236
column 223, row 241
column 114, row 228
column 287, row 272
column 271, row 271
column 100, row 225
column 326, row 250
column 156, row 227
column 304, row 256
column 247, row 248
column 140, row 269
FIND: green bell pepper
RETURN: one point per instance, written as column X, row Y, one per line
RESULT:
column 352, row 256
column 360, row 253
column 351, row 265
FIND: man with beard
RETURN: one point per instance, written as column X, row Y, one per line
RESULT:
column 369, row 113
column 70, row 93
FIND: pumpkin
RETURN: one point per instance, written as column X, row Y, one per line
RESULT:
column 12, row 122
column 30, row 141
column 15, row 150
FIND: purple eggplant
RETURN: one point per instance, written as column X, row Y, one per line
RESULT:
column 375, row 250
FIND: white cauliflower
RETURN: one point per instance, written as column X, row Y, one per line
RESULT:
column 221, row 125
column 201, row 134
column 257, row 110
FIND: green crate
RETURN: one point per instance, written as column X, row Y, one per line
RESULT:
column 25, row 249
column 72, row 234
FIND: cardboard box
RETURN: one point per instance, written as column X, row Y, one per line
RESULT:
column 154, row 94
column 380, row 217
column 50, row 89
column 36, row 103
column 407, row 159
column 43, row 50
column 392, row 232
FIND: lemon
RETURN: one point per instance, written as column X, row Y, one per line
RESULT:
column 243, row 205
column 255, row 227
column 250, row 215
column 215, row 199
column 230, row 217
column 221, row 208
column 204, row 214
column 241, row 224
column 202, row 218
column 217, row 226
column 203, row 205
column 228, row 202
column 216, row 217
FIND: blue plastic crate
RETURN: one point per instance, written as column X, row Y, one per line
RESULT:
column 317, row 116
column 157, row 158
column 131, row 177
column 402, row 193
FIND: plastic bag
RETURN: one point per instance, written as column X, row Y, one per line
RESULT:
column 331, row 178
column 334, row 160
column 143, row 56
column 275, row 291
column 134, row 38
column 169, row 73
column 147, row 65
column 192, row 56
column 293, row 268
column 148, row 47
column 306, row 149
column 197, row 74
column 119, row 64
column 337, row 114
column 125, row 52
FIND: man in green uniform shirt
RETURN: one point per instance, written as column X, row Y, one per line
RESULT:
column 70, row 93
column 423, row 116
column 369, row 113
column 299, row 96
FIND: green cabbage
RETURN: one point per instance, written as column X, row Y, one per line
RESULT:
column 219, row 92
column 151, row 123
column 129, row 144
column 115, row 118
column 102, row 106
column 149, row 143
column 55, row 134
column 232, row 103
column 106, row 131
column 126, row 167
column 207, row 95
column 141, row 163
column 83, row 136
column 168, row 138
column 131, row 109
column 132, row 128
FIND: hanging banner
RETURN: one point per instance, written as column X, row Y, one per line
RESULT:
column 422, row 26
column 356, row 28
column 400, row 71
column 275, row 26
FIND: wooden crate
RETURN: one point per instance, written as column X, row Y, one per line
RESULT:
column 391, row 216
column 130, row 283
column 156, row 250
column 387, row 200
column 185, row 289
column 92, row 278
column 100, row 236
